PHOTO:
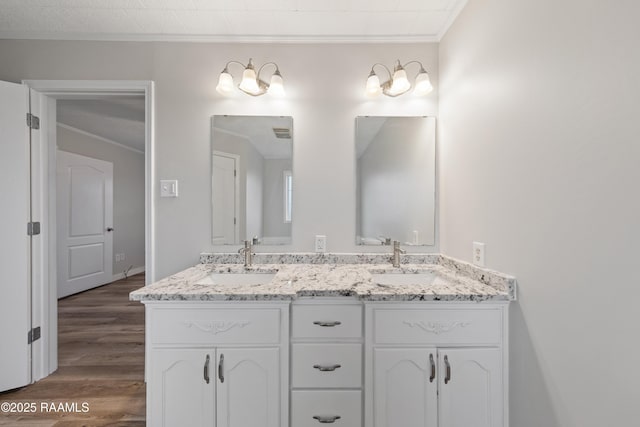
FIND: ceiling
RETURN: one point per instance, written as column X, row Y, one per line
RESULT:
column 229, row 20
column 119, row 119
column 259, row 131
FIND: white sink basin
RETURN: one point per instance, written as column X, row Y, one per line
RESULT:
column 402, row 279
column 238, row 279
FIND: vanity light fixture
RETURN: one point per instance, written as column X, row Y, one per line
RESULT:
column 251, row 83
column 398, row 83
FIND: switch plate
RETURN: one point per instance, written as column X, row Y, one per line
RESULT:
column 478, row 254
column 321, row 243
column 117, row 257
column 168, row 188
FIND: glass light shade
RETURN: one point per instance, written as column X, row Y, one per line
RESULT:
column 225, row 83
column 423, row 84
column 249, row 82
column 373, row 86
column 400, row 83
column 276, row 88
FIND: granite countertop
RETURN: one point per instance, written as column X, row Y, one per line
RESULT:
column 438, row 279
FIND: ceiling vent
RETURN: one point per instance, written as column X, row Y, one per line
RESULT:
column 282, row 133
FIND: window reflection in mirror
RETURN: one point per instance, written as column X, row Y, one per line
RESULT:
column 395, row 177
column 251, row 179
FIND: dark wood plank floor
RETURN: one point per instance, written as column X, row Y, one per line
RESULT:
column 100, row 362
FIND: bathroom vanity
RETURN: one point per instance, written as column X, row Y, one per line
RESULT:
column 302, row 340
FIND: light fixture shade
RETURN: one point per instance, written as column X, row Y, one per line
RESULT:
column 423, row 84
column 373, row 88
column 400, row 84
column 249, row 83
column 225, row 83
column 276, row 87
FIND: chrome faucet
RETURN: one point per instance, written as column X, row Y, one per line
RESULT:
column 395, row 259
column 247, row 251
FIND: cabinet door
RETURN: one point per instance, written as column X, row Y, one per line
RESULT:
column 178, row 392
column 471, row 388
column 248, row 387
column 405, row 387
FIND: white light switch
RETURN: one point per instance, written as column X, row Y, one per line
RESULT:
column 168, row 188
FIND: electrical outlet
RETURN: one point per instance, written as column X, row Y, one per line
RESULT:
column 117, row 257
column 321, row 243
column 478, row 254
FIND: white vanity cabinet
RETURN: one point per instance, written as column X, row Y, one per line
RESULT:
column 217, row 364
column 436, row 364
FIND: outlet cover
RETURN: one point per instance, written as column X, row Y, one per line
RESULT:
column 168, row 188
column 321, row 243
column 478, row 254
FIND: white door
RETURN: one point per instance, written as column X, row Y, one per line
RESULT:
column 248, row 387
column 84, row 222
column 405, row 387
column 15, row 280
column 181, row 390
column 224, row 199
column 471, row 390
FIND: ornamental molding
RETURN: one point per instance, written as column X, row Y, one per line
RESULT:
column 217, row 326
column 436, row 327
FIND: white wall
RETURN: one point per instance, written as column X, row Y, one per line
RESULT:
column 128, row 192
column 325, row 92
column 539, row 151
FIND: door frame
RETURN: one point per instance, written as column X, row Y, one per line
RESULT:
column 236, row 190
column 43, row 105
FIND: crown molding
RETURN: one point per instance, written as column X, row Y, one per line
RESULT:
column 204, row 38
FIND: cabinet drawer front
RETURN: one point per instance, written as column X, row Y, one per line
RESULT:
column 215, row 326
column 326, row 321
column 326, row 365
column 437, row 326
column 327, row 406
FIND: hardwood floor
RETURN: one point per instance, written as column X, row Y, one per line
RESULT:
column 101, row 362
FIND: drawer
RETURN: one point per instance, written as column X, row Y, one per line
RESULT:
column 326, row 321
column 437, row 326
column 214, row 326
column 327, row 406
column 326, row 366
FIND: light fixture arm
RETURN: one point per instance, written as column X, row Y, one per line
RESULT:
column 264, row 65
column 226, row 67
column 383, row 66
column 421, row 70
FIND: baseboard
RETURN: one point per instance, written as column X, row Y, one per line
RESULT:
column 133, row 271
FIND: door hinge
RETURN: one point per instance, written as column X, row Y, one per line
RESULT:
column 33, row 335
column 33, row 122
column 234, row 221
column 33, row 228
column 235, row 173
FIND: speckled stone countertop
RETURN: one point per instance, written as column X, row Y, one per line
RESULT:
column 437, row 278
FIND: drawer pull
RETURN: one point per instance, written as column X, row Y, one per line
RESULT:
column 325, row 368
column 326, row 419
column 447, row 376
column 327, row 324
column 433, row 368
column 206, row 369
column 221, row 368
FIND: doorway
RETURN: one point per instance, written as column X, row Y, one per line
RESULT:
column 44, row 103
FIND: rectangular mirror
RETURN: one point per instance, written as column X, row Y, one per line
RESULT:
column 251, row 179
column 395, row 177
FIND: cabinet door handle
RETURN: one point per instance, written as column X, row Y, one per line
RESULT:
column 221, row 368
column 327, row 324
column 326, row 419
column 433, row 369
column 206, row 369
column 327, row 368
column 447, row 376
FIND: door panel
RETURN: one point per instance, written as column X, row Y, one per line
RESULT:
column 84, row 217
column 249, row 395
column 475, row 384
column 223, row 182
column 404, row 394
column 180, row 395
column 15, row 286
